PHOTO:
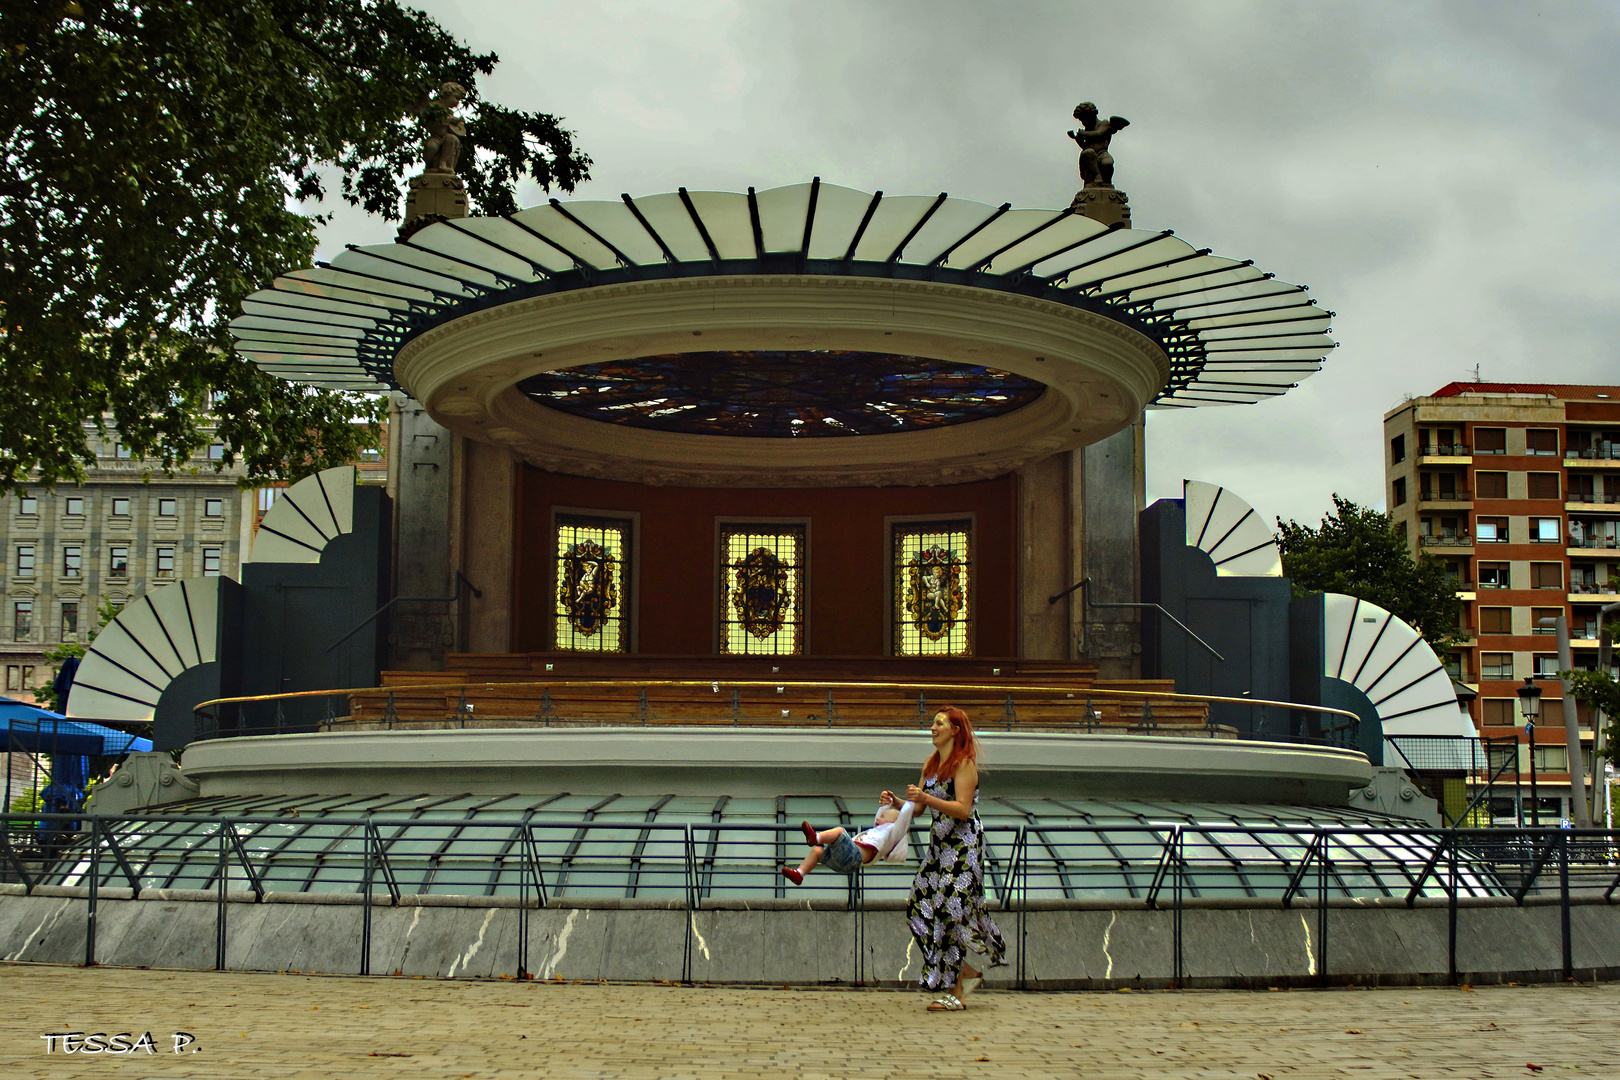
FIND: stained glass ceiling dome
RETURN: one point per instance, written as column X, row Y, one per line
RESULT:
column 810, row 334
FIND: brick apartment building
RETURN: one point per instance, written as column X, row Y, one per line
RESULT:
column 1516, row 489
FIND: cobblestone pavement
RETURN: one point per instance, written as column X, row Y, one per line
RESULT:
column 252, row 1026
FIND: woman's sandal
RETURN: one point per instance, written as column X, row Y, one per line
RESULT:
column 947, row 1003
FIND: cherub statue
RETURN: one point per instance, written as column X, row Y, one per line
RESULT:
column 1096, row 163
column 445, row 129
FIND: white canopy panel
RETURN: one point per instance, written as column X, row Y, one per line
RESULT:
column 1230, row 531
column 1234, row 334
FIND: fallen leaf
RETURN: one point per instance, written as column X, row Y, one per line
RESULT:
column 1352, row 1031
column 981, row 1059
column 379, row 1053
column 1532, row 1068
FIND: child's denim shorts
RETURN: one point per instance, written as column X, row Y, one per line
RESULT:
column 841, row 856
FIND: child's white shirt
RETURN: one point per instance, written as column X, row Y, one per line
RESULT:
column 889, row 840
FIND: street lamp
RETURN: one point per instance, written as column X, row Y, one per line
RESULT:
column 1530, row 705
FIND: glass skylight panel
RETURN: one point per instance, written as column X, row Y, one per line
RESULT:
column 891, row 223
column 782, row 213
column 725, row 218
column 616, row 225
column 839, row 211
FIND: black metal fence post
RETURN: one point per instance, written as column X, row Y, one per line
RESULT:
column 223, row 876
column 691, row 903
column 1176, row 895
column 1451, row 912
column 1322, row 908
column 92, row 894
column 365, row 905
column 1563, row 903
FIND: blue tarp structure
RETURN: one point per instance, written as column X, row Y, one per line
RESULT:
column 32, row 730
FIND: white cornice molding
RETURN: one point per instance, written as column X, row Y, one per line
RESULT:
column 1099, row 374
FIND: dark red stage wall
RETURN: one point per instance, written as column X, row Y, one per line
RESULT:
column 848, row 552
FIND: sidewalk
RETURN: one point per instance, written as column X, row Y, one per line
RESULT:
column 295, row 1026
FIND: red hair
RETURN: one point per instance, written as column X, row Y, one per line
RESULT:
column 964, row 749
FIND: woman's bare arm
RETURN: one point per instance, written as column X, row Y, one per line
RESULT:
column 967, row 782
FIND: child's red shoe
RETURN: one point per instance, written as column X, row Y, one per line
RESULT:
column 810, row 835
column 795, row 876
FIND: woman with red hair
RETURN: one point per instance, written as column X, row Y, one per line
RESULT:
column 947, row 912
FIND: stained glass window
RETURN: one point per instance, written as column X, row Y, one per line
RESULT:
column 762, row 588
column 593, row 578
column 782, row 395
column 933, row 588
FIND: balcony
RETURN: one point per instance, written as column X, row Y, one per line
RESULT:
column 1602, row 452
column 1580, row 590
column 1458, row 495
column 1587, row 543
column 1444, row 540
column 1445, row 454
column 1576, row 500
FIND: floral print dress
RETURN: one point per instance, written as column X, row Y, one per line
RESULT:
column 947, row 912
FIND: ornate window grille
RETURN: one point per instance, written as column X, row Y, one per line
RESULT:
column 762, row 588
column 592, row 600
column 932, row 588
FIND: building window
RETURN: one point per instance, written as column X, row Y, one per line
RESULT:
column 121, row 451
column 1494, row 575
column 118, row 562
column 1491, row 530
column 165, row 561
column 1541, row 619
column 216, row 452
column 1495, row 620
column 1545, row 667
column 1546, row 575
column 1490, row 485
column 1490, row 440
column 1541, row 441
column 1496, row 665
column 72, row 560
column 75, row 506
column 120, row 507
column 1397, row 450
column 1543, row 485
column 762, row 578
column 1546, row 530
column 28, row 506
column 25, row 560
column 19, row 676
column 1400, row 491
column 1400, row 529
column 70, row 620
column 932, row 585
column 1499, row 712
column 165, row 508
column 22, row 619
column 210, row 561
column 593, row 579
column 213, row 508
column 1552, row 759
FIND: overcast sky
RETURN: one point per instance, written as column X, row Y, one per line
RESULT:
column 1446, row 177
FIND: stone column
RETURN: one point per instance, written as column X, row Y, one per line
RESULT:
column 1112, row 488
column 421, row 632
column 1045, row 558
column 485, row 541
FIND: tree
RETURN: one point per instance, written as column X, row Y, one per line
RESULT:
column 1357, row 552
column 152, row 152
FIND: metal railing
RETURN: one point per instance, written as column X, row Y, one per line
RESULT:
column 1445, row 540
column 1592, row 498
column 1600, row 542
column 1605, row 452
column 1083, row 709
column 387, row 858
column 1459, row 495
column 1445, row 450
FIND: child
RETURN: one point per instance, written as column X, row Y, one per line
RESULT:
column 836, row 850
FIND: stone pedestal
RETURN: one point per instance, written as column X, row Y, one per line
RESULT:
column 1104, row 203
column 433, row 197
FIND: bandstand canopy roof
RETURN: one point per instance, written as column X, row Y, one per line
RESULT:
column 808, row 310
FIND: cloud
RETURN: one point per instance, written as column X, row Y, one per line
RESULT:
column 1443, row 175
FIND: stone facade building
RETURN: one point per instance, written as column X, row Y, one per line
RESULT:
column 126, row 530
